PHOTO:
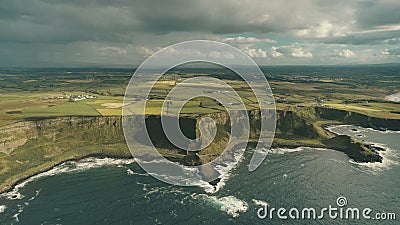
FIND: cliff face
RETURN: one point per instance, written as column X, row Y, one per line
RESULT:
column 295, row 124
column 35, row 145
column 95, row 130
column 156, row 133
column 48, row 138
column 291, row 125
column 357, row 118
column 52, row 141
column 302, row 127
column 32, row 146
column 89, row 128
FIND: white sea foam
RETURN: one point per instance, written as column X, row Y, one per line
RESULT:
column 21, row 207
column 91, row 162
column 259, row 202
column 282, row 151
column 232, row 206
column 383, row 131
column 389, row 158
column 32, row 198
column 229, row 204
column 192, row 177
column 2, row 208
column 208, row 188
column 158, row 191
column 130, row 172
column 143, row 184
column 227, row 170
column 224, row 169
column 70, row 166
column 16, row 215
column 193, row 172
column 154, row 161
column 332, row 129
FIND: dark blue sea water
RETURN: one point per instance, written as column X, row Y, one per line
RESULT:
column 108, row 191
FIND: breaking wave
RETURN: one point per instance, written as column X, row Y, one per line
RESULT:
column 229, row 204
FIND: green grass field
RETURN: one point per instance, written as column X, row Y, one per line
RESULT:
column 66, row 109
column 35, row 97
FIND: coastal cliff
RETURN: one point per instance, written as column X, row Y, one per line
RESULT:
column 32, row 146
column 357, row 119
column 302, row 126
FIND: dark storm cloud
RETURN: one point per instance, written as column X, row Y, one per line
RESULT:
column 366, row 38
column 59, row 31
column 38, row 21
column 372, row 13
column 64, row 21
column 68, row 21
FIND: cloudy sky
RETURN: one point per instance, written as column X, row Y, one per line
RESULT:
column 51, row 33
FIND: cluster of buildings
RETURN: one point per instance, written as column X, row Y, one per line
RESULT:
column 73, row 98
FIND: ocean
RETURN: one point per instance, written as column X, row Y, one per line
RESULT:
column 118, row 191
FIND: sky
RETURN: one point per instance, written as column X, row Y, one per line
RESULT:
column 122, row 33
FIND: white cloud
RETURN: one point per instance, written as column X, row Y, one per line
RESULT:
column 275, row 53
column 112, row 50
column 323, row 30
column 301, row 53
column 255, row 53
column 182, row 53
column 294, row 50
column 144, row 51
column 246, row 40
column 391, row 52
column 345, row 53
